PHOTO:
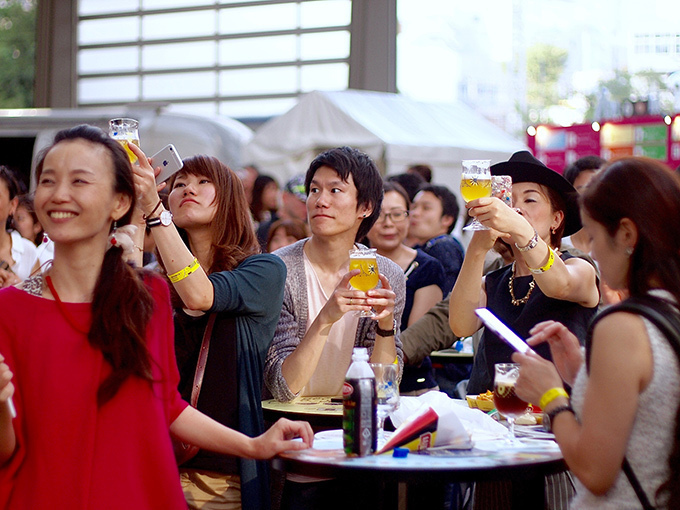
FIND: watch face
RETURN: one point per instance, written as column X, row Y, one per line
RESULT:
column 166, row 218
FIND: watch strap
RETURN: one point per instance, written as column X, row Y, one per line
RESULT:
column 153, row 222
column 387, row 332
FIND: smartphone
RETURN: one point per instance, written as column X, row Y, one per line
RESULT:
column 169, row 161
column 494, row 324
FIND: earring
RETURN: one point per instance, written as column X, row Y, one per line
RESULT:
column 629, row 251
column 112, row 236
column 46, row 238
column 553, row 230
column 364, row 215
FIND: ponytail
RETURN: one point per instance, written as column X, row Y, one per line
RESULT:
column 121, row 310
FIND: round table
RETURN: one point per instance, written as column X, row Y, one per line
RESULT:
column 322, row 413
column 526, row 467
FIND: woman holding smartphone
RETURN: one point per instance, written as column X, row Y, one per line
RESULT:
column 626, row 389
column 212, row 258
column 94, row 381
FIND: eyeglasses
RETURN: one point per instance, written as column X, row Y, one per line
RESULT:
column 394, row 216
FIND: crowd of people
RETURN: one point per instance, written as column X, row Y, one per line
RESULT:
column 125, row 385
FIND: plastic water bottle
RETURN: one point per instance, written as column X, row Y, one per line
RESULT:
column 359, row 406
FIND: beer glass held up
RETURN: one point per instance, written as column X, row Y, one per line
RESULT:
column 125, row 131
column 365, row 260
column 504, row 397
column 475, row 183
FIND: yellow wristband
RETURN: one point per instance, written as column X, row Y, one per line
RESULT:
column 551, row 395
column 548, row 265
column 183, row 273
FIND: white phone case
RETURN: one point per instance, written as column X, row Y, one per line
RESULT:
column 494, row 324
column 169, row 161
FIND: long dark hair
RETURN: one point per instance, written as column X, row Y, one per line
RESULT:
column 122, row 304
column 648, row 193
column 233, row 236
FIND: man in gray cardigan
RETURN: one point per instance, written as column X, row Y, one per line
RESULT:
column 318, row 326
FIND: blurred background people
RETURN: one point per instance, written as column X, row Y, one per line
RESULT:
column 425, row 171
column 411, row 182
column 248, row 174
column 432, row 218
column 25, row 221
column 579, row 174
column 285, row 232
column 265, row 201
column 18, row 255
column 293, row 198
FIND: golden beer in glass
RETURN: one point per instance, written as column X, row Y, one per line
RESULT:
column 365, row 260
column 125, row 131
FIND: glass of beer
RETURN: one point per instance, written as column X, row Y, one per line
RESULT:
column 504, row 397
column 364, row 259
column 125, row 131
column 475, row 183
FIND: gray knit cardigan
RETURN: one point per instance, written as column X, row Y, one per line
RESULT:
column 293, row 320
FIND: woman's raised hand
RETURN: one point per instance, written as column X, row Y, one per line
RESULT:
column 495, row 214
column 145, row 180
column 564, row 347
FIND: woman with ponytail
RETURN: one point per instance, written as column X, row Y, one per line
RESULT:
column 618, row 431
column 88, row 379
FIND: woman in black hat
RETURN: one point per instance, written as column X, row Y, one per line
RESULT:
column 541, row 284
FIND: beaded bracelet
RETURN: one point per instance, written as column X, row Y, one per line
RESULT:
column 548, row 265
column 530, row 245
column 183, row 273
column 551, row 395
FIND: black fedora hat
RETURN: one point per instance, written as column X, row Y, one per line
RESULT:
column 524, row 167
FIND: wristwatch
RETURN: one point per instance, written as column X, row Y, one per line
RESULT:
column 548, row 418
column 165, row 219
column 387, row 332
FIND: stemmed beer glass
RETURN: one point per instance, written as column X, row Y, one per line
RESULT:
column 504, row 397
column 475, row 183
column 364, row 259
column 387, row 391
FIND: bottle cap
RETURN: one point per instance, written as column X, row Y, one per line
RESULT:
column 400, row 453
column 360, row 354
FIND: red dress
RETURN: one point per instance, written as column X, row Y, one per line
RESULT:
column 70, row 452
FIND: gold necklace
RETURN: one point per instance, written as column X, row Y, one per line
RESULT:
column 511, row 284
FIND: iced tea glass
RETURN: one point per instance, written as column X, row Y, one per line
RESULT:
column 504, row 397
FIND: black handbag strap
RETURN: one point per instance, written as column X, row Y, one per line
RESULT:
column 664, row 315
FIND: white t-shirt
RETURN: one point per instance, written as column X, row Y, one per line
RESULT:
column 24, row 254
column 337, row 353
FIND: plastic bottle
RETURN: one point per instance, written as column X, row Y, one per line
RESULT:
column 359, row 406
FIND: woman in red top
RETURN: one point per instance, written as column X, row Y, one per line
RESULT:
column 90, row 347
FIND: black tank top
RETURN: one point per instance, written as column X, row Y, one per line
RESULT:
column 521, row 319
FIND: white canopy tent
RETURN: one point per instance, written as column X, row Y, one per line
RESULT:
column 394, row 130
